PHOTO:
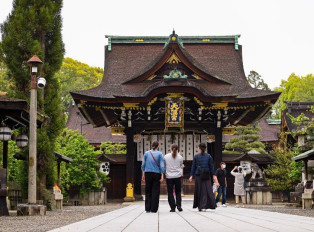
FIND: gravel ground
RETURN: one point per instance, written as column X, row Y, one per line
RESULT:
column 284, row 208
column 55, row 219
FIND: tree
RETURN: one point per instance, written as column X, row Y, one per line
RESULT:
column 256, row 81
column 246, row 139
column 296, row 88
column 82, row 171
column 75, row 75
column 283, row 174
column 34, row 27
column 110, row 148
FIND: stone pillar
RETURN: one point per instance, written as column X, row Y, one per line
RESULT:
column 218, row 148
column 130, row 160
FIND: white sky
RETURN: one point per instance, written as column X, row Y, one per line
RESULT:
column 277, row 35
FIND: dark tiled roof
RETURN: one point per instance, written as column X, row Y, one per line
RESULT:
column 259, row 158
column 113, row 158
column 4, row 98
column 128, row 61
column 93, row 135
column 296, row 109
column 268, row 133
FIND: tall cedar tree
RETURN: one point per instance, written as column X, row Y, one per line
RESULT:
column 34, row 27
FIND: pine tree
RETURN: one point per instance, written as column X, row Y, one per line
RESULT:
column 246, row 139
column 34, row 27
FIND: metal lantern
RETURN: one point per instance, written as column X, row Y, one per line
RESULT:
column 21, row 140
column 5, row 133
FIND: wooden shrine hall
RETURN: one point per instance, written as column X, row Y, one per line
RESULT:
column 174, row 89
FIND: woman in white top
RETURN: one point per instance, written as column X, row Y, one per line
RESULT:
column 239, row 184
column 174, row 172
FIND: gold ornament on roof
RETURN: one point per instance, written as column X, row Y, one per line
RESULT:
column 173, row 59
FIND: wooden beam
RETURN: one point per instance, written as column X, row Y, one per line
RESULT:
column 262, row 114
column 241, row 116
column 105, row 117
column 86, row 114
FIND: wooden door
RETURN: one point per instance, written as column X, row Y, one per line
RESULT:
column 116, row 188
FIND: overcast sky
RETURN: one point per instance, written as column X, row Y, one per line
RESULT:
column 277, row 35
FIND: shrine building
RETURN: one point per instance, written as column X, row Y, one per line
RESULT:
column 174, row 89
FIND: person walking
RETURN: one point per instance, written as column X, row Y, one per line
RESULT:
column 221, row 174
column 153, row 168
column 239, row 184
column 202, row 168
column 174, row 172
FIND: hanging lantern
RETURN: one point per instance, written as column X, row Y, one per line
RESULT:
column 5, row 133
column 21, row 140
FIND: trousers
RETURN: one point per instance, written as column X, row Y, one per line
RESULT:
column 221, row 191
column 176, row 183
column 152, row 191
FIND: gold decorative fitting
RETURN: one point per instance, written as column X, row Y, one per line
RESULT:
column 173, row 59
column 97, row 108
column 196, row 76
column 198, row 101
column 83, row 102
column 220, row 104
column 206, row 40
column 152, row 101
column 139, row 40
column 268, row 103
column 151, row 77
column 175, row 95
column 173, row 38
column 131, row 105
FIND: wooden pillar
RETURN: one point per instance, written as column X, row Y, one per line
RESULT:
column 218, row 148
column 59, row 167
column 3, row 178
column 305, row 169
column 5, row 154
column 130, row 156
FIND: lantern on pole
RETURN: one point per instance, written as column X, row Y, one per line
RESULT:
column 21, row 140
column 5, row 133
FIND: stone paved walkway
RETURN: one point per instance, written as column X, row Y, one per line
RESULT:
column 134, row 218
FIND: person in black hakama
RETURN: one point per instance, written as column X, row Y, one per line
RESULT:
column 204, row 197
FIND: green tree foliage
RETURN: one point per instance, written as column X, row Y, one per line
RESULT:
column 111, row 148
column 75, row 75
column 296, row 88
column 82, row 172
column 283, row 174
column 4, row 80
column 34, row 27
column 256, row 81
column 306, row 128
column 246, row 139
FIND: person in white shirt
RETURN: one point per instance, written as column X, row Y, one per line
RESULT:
column 174, row 172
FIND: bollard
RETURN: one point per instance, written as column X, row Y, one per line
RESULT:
column 129, row 193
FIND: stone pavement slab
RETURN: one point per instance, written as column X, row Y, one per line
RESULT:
column 134, row 218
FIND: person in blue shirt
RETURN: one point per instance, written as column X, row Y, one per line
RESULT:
column 204, row 197
column 153, row 167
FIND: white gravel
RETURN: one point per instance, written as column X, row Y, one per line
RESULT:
column 54, row 219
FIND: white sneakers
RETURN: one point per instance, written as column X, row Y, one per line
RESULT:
column 223, row 205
